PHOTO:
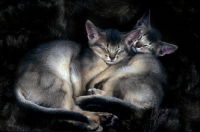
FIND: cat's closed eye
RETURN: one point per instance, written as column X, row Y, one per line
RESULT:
column 102, row 46
column 144, row 34
column 120, row 50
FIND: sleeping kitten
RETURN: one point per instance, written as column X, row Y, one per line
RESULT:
column 139, row 81
column 51, row 76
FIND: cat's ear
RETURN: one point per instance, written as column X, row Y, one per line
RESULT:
column 144, row 21
column 131, row 37
column 166, row 48
column 92, row 31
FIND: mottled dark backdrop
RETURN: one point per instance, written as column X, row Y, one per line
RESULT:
column 26, row 23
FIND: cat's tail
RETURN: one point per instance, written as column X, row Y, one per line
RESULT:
column 113, row 105
column 57, row 113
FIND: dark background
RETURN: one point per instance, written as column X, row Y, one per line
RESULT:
column 24, row 24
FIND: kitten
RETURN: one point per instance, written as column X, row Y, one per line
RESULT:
column 51, row 76
column 138, row 81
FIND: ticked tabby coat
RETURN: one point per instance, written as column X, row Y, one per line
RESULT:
column 51, row 76
column 139, row 81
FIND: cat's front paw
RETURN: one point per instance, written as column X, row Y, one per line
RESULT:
column 105, row 120
column 93, row 126
column 94, row 91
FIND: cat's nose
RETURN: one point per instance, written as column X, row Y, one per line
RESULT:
column 138, row 45
column 112, row 57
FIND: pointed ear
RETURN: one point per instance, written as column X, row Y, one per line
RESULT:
column 131, row 37
column 166, row 48
column 144, row 21
column 92, row 31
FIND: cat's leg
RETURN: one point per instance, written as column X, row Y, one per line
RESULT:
column 107, row 88
column 112, row 84
column 98, row 119
column 67, row 102
column 103, row 76
column 102, row 117
column 95, row 118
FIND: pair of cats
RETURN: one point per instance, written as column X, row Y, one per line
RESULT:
column 51, row 80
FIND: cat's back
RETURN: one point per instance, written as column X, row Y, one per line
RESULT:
column 58, row 48
column 49, row 55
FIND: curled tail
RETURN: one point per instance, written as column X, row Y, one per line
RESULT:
column 57, row 113
column 108, row 104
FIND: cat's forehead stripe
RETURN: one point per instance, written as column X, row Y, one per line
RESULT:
column 113, row 36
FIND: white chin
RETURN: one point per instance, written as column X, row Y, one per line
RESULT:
column 111, row 62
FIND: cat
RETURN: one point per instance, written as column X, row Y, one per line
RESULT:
column 139, row 81
column 49, row 78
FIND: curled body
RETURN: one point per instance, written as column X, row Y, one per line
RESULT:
column 54, row 74
column 139, row 81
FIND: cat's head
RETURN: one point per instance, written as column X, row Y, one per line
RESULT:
column 150, row 39
column 110, row 44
